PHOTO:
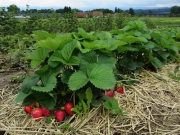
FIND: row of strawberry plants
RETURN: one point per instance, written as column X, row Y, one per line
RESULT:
column 9, row 25
column 86, row 68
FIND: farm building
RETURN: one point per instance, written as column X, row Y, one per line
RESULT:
column 81, row 14
column 96, row 13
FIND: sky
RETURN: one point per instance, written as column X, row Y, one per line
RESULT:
column 91, row 4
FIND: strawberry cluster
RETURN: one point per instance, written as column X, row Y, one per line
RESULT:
column 110, row 93
column 38, row 112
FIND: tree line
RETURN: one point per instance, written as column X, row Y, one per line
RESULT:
column 13, row 8
column 175, row 10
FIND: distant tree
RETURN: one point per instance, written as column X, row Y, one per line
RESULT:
column 150, row 11
column 59, row 10
column 33, row 10
column 175, row 10
column 131, row 11
column 67, row 9
column 104, row 10
column 13, row 8
column 117, row 10
column 76, row 10
column 141, row 13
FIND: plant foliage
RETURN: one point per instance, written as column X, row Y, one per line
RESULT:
column 86, row 64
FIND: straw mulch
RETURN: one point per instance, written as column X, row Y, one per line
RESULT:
column 153, row 107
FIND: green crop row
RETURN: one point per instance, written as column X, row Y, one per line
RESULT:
column 69, row 65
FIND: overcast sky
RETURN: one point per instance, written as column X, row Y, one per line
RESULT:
column 91, row 4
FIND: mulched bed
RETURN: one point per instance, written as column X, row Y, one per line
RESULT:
column 153, row 107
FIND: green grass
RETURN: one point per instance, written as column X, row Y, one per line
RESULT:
column 164, row 22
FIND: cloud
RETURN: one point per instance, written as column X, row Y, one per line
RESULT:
column 91, row 3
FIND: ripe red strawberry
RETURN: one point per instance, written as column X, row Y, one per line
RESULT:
column 46, row 112
column 32, row 105
column 120, row 90
column 109, row 93
column 27, row 109
column 60, row 115
column 68, row 106
column 36, row 113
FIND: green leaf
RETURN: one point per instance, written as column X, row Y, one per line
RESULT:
column 42, row 35
column 129, row 63
column 149, row 45
column 87, row 59
column 20, row 97
column 163, row 54
column 40, row 95
column 101, row 76
column 108, row 104
column 29, row 100
column 77, row 111
column 97, row 102
column 147, row 36
column 112, row 105
column 37, row 56
column 142, row 39
column 82, row 32
column 66, row 75
column 85, row 107
column 52, row 63
column 68, row 49
column 108, row 61
column 48, row 103
column 81, row 95
column 115, row 111
column 127, row 27
column 155, row 62
column 89, row 97
column 121, row 43
column 77, row 80
column 73, row 61
column 127, row 48
column 137, row 33
column 49, row 83
column 57, row 57
column 86, row 35
column 28, row 83
column 42, row 70
column 90, row 57
column 93, row 45
column 83, row 50
column 133, row 39
column 49, row 43
column 103, row 35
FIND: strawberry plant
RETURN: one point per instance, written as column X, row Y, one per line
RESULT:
column 84, row 65
column 63, row 66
